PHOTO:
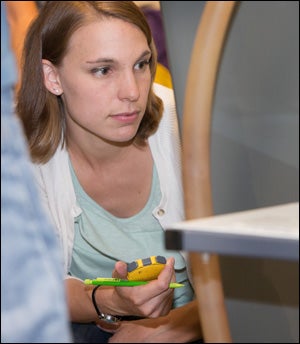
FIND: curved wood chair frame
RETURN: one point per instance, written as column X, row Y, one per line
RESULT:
column 199, row 96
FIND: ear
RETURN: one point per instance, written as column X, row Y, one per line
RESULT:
column 51, row 78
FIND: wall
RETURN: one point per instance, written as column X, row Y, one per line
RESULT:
column 255, row 148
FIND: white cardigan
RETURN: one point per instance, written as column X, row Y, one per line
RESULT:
column 55, row 181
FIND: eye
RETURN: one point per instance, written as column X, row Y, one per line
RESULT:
column 141, row 65
column 101, row 71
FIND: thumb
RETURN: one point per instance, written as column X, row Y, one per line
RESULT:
column 120, row 270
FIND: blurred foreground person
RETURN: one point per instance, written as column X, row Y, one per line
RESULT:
column 33, row 304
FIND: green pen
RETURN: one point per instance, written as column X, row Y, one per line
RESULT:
column 117, row 282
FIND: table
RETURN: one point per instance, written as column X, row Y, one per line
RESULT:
column 268, row 232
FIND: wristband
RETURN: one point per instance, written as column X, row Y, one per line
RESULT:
column 110, row 319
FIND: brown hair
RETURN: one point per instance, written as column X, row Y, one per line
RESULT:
column 42, row 112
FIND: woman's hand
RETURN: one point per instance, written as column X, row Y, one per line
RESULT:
column 140, row 331
column 181, row 325
column 151, row 300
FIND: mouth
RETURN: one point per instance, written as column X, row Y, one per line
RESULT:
column 126, row 117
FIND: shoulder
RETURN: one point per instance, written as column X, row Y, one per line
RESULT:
column 169, row 119
column 165, row 93
column 54, row 174
column 57, row 163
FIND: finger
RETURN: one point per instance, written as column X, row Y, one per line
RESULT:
column 161, row 304
column 161, row 284
column 168, row 273
column 120, row 270
column 171, row 261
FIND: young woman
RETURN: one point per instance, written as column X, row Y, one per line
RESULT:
column 105, row 146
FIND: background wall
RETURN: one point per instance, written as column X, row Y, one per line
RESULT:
column 255, row 148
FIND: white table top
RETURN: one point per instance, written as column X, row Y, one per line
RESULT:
column 264, row 232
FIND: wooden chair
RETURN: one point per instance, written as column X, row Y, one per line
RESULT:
column 196, row 126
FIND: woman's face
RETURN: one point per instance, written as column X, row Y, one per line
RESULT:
column 105, row 79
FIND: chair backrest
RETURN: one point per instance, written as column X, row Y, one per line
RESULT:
column 196, row 127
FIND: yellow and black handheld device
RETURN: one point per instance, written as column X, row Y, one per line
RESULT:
column 146, row 269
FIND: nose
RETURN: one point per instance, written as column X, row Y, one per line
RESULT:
column 128, row 87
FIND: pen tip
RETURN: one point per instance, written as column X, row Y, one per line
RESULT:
column 176, row 285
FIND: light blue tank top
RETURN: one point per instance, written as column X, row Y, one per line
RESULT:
column 102, row 239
